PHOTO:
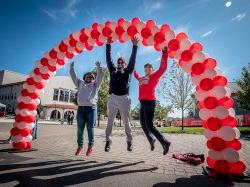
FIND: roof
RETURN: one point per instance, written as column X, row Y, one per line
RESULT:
column 12, row 84
column 61, row 106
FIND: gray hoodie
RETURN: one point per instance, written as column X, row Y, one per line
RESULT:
column 87, row 93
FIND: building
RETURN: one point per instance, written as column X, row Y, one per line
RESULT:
column 56, row 100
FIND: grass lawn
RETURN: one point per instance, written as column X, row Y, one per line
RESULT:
column 177, row 130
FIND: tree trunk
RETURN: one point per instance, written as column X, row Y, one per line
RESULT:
column 120, row 121
column 182, row 119
column 98, row 119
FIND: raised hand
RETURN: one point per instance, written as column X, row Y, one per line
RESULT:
column 135, row 40
column 165, row 49
column 98, row 64
column 109, row 40
column 72, row 64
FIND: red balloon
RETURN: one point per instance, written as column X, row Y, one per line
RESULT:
column 221, row 167
column 28, row 119
column 95, row 25
column 195, row 47
column 37, row 71
column 29, row 106
column 198, row 68
column 106, row 31
column 146, row 33
column 62, row 47
column 30, row 81
column 235, row 144
column 39, row 85
column 227, row 102
column 217, row 144
column 213, row 123
column 29, row 145
column 60, row 62
column 165, row 28
column 150, row 23
column 25, row 132
column 144, row 42
column 119, row 30
column 210, row 63
column 45, row 76
column 229, row 121
column 171, row 54
column 210, row 102
column 204, row 124
column 51, row 68
column 200, row 105
column 53, row 54
column 220, row 80
column 198, row 88
column 181, row 63
column 159, row 37
column 69, row 55
column 88, row 47
column 99, row 43
column 44, row 61
column 20, row 145
column 186, row 55
column 95, row 34
column 173, row 45
column 107, row 23
column 132, row 31
column 206, row 84
column 135, row 21
column 32, row 95
column 72, row 41
column 15, row 131
column 238, row 167
column 120, row 21
column 83, row 37
column 181, row 36
column 157, row 47
column 210, row 162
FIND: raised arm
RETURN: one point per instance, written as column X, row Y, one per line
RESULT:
column 109, row 62
column 73, row 75
column 100, row 74
column 137, row 76
column 132, row 59
column 164, row 63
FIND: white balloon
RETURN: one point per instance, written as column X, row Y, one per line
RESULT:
column 66, row 41
column 208, row 73
column 30, row 88
column 200, row 95
column 150, row 40
column 44, row 70
column 27, row 138
column 125, row 25
column 91, row 41
column 140, row 25
column 215, row 155
column 209, row 134
column 221, row 112
column 52, row 62
column 16, row 139
column 205, row 113
column 218, row 92
column 187, row 67
column 71, row 49
column 100, row 27
column 154, row 30
column 113, row 25
column 227, row 133
column 177, row 54
column 39, row 64
column 102, row 38
column 237, row 132
column 87, row 31
column 76, row 35
column 232, row 112
column 80, row 46
column 169, row 35
column 61, row 56
column 231, row 155
column 185, row 44
column 114, row 36
column 198, row 57
column 23, row 125
column 125, row 36
column 228, row 91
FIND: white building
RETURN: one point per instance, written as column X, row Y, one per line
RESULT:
column 56, row 101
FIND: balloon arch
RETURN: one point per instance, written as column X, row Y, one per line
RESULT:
column 212, row 93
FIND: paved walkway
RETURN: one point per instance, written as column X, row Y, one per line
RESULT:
column 54, row 164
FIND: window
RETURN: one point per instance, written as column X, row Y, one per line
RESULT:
column 62, row 95
column 56, row 94
column 66, row 96
column 72, row 96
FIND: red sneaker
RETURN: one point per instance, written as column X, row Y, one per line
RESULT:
column 89, row 151
column 78, row 151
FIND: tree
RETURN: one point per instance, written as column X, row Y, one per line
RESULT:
column 161, row 112
column 243, row 95
column 135, row 112
column 177, row 88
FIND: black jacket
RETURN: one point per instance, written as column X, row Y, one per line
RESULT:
column 120, row 81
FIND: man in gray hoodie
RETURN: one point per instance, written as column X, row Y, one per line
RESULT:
column 86, row 99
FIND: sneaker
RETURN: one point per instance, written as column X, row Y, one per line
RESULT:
column 78, row 151
column 166, row 147
column 89, row 151
column 152, row 144
column 107, row 146
column 129, row 146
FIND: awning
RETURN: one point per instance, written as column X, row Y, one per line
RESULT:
column 2, row 105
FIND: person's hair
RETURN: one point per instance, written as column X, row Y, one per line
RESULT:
column 121, row 58
column 87, row 74
column 148, row 65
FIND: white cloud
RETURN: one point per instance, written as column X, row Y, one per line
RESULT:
column 152, row 6
column 207, row 33
column 228, row 4
column 239, row 17
column 69, row 10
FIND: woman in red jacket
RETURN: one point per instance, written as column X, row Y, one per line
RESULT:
column 147, row 85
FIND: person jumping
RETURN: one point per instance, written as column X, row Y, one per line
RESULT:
column 86, row 100
column 119, row 99
column 147, row 85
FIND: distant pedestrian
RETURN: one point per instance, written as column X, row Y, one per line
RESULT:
column 35, row 128
column 68, row 117
column 72, row 118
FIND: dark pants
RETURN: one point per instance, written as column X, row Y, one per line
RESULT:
column 147, row 110
column 86, row 115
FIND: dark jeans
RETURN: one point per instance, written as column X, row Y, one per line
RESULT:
column 86, row 115
column 35, row 130
column 147, row 110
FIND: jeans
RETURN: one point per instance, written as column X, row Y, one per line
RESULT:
column 35, row 130
column 86, row 115
column 147, row 109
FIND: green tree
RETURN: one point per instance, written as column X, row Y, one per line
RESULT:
column 243, row 95
column 135, row 112
column 161, row 112
column 177, row 88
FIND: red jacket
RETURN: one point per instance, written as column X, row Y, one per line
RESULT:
column 148, row 83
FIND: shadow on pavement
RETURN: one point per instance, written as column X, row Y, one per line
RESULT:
column 196, row 181
column 64, row 172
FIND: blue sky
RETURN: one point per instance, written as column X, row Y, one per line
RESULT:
column 32, row 27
